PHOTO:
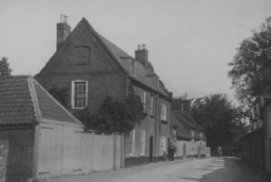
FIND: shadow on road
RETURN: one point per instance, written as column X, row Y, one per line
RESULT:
column 226, row 169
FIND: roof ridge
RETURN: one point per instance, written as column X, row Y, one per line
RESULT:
column 103, row 44
column 34, row 98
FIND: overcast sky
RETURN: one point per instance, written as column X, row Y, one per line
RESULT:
column 190, row 42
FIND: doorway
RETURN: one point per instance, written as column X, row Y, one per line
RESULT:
column 151, row 149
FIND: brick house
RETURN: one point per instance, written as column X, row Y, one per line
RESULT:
column 93, row 68
column 27, row 113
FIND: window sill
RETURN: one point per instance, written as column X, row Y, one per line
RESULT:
column 78, row 108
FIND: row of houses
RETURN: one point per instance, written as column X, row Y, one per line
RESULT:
column 42, row 137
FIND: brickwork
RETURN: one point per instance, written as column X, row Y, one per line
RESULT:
column 21, row 152
column 3, row 159
column 107, row 75
column 103, row 76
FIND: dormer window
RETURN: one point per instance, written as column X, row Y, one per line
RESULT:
column 132, row 66
column 81, row 55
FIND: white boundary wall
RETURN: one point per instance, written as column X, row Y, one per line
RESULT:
column 66, row 149
column 190, row 148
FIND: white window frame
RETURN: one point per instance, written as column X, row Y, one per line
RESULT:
column 163, row 145
column 132, row 143
column 132, row 66
column 163, row 112
column 73, row 94
column 152, row 105
column 144, row 101
column 142, row 141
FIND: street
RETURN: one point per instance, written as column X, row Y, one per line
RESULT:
column 227, row 169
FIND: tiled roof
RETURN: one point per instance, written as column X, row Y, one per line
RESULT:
column 50, row 108
column 24, row 101
column 181, row 131
column 16, row 106
column 185, row 122
column 140, row 71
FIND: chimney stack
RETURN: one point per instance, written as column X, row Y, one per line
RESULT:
column 63, row 30
column 141, row 54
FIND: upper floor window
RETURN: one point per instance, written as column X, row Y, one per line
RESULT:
column 79, row 94
column 81, row 55
column 152, row 104
column 163, row 112
column 192, row 133
column 144, row 101
column 132, row 66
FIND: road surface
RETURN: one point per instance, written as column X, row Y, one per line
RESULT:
column 225, row 169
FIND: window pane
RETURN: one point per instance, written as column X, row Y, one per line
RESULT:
column 80, row 94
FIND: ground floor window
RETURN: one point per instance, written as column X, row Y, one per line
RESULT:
column 163, row 145
column 132, row 143
column 142, row 141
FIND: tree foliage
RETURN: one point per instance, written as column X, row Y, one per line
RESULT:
column 218, row 117
column 4, row 67
column 251, row 66
column 113, row 116
column 61, row 95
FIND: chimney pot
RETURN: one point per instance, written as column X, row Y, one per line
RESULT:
column 143, row 46
column 138, row 47
column 63, row 30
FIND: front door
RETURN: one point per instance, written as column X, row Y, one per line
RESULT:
column 151, row 148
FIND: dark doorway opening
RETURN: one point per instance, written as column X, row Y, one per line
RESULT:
column 151, row 149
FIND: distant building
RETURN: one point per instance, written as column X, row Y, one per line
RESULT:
column 93, row 68
column 188, row 135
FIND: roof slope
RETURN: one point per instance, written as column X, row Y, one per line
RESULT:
column 182, row 132
column 16, row 106
column 141, row 73
column 184, row 122
column 24, row 101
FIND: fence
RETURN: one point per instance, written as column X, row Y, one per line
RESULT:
column 252, row 148
column 68, row 150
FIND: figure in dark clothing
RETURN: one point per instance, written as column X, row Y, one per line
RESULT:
column 171, row 151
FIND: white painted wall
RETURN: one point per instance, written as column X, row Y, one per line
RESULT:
column 189, row 148
column 66, row 149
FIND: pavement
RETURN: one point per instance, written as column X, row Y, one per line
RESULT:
column 224, row 169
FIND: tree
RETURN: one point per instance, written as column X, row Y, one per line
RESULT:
column 113, row 116
column 4, row 67
column 251, row 66
column 61, row 95
column 218, row 117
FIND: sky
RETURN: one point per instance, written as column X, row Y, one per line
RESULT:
column 190, row 42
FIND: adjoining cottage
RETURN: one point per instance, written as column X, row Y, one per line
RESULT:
column 188, row 135
column 93, row 68
column 42, row 139
column 27, row 114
